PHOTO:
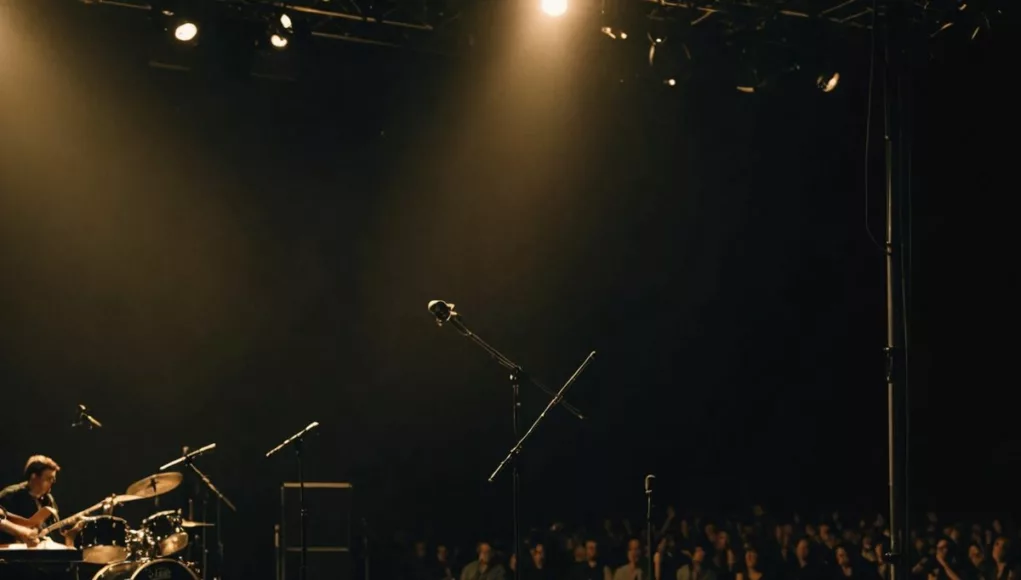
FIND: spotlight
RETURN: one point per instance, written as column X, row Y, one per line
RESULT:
column 278, row 41
column 670, row 82
column 613, row 33
column 279, row 31
column 554, row 7
column 186, row 31
column 827, row 83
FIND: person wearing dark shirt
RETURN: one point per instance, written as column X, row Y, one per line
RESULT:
column 1000, row 568
column 752, row 567
column 594, row 567
column 844, row 568
column 697, row 569
column 537, row 570
column 26, row 498
column 803, row 567
column 943, row 568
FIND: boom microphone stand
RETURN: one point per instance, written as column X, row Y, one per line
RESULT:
column 444, row 312
column 187, row 459
column 297, row 439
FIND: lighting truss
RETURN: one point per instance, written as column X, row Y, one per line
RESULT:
column 448, row 26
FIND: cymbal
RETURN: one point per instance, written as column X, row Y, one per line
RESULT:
column 124, row 498
column 191, row 524
column 156, row 484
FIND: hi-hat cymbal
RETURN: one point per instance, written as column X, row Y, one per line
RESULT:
column 124, row 498
column 191, row 524
column 156, row 484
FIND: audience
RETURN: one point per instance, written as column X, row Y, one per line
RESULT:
column 767, row 549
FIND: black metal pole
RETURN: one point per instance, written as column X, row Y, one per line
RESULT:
column 205, row 534
column 298, row 439
column 895, row 147
column 304, row 513
column 648, row 524
column 516, row 476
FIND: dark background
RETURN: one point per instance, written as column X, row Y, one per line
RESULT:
column 202, row 259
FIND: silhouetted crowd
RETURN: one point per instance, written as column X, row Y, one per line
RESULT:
column 754, row 548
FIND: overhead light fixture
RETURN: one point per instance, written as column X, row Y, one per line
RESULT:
column 613, row 33
column 280, row 29
column 278, row 41
column 186, row 31
column 827, row 83
column 554, row 8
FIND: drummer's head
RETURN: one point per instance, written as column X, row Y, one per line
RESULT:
column 41, row 473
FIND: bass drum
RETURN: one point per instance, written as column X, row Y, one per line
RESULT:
column 147, row 570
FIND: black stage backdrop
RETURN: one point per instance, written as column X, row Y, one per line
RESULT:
column 206, row 259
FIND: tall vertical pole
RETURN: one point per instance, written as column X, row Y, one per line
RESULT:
column 896, row 386
column 515, row 475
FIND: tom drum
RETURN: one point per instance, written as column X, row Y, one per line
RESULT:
column 104, row 539
column 165, row 533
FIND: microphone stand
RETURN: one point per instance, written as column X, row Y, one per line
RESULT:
column 512, row 456
column 648, row 522
column 187, row 459
column 297, row 439
column 221, row 499
column 446, row 314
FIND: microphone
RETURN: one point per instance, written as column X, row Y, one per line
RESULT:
column 648, row 483
column 442, row 311
column 189, row 455
column 84, row 419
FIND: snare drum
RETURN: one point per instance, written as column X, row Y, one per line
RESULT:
column 104, row 539
column 165, row 533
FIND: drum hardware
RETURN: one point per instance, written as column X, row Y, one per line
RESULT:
column 163, row 569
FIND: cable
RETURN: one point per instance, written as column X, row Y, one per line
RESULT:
column 868, row 123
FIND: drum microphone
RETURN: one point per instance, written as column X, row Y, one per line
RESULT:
column 85, row 420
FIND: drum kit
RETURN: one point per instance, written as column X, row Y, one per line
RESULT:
column 154, row 550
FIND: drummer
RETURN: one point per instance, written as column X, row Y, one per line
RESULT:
column 34, row 493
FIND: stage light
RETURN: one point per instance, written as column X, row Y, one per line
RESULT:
column 186, row 31
column 278, row 41
column 554, row 7
column 285, row 21
column 671, row 82
column 613, row 33
column 827, row 83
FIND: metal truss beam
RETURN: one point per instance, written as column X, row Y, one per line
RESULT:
column 442, row 26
